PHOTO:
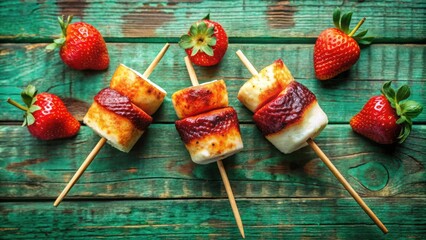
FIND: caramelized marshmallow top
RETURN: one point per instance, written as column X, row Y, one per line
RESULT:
column 198, row 99
column 262, row 88
column 144, row 93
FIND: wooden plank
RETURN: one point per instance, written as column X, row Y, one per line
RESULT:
column 340, row 98
column 244, row 20
column 289, row 218
column 160, row 167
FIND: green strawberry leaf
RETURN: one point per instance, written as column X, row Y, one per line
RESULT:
column 64, row 24
column 207, row 17
column 403, row 92
column 202, row 27
column 366, row 40
column 193, row 30
column 59, row 41
column 411, row 108
column 51, row 46
column 398, row 110
column 361, row 34
column 200, row 38
column 406, row 110
column 195, row 50
column 185, row 42
column 28, row 94
column 34, row 108
column 27, row 99
column 210, row 31
column 212, row 41
column 345, row 22
column 24, row 123
column 405, row 132
column 388, row 91
column 207, row 49
column 401, row 120
column 29, row 119
column 336, row 17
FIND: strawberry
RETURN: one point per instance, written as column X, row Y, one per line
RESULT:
column 205, row 43
column 81, row 46
column 337, row 49
column 46, row 116
column 386, row 118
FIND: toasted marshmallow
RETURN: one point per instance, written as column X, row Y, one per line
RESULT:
column 115, row 118
column 265, row 86
column 211, row 136
column 142, row 92
column 290, row 119
column 194, row 100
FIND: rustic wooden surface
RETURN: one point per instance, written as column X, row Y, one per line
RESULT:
column 155, row 191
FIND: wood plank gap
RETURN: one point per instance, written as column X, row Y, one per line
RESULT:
column 232, row 40
column 222, row 198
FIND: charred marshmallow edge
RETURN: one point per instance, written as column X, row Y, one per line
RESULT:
column 290, row 119
column 194, row 100
column 114, row 117
column 265, row 86
column 145, row 94
column 211, row 136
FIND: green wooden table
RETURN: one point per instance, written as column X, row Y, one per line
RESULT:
column 155, row 191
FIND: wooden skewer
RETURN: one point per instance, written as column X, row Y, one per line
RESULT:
column 81, row 170
column 222, row 170
column 346, row 184
column 247, row 63
column 327, row 162
column 156, row 60
column 102, row 141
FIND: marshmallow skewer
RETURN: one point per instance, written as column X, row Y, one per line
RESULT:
column 222, row 170
column 327, row 161
column 103, row 140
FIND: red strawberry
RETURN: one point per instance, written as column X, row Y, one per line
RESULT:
column 82, row 46
column 46, row 116
column 205, row 43
column 336, row 49
column 385, row 119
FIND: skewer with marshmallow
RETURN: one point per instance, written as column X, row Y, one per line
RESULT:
column 208, row 127
column 121, row 113
column 289, row 116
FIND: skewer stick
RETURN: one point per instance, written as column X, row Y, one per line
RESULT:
column 156, row 60
column 222, row 170
column 247, row 63
column 81, row 170
column 102, row 141
column 346, row 184
column 327, row 162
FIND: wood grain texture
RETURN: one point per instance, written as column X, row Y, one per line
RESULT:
column 160, row 167
column 340, row 98
column 287, row 218
column 155, row 191
column 244, row 20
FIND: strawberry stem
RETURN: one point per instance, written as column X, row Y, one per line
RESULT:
column 16, row 104
column 357, row 27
